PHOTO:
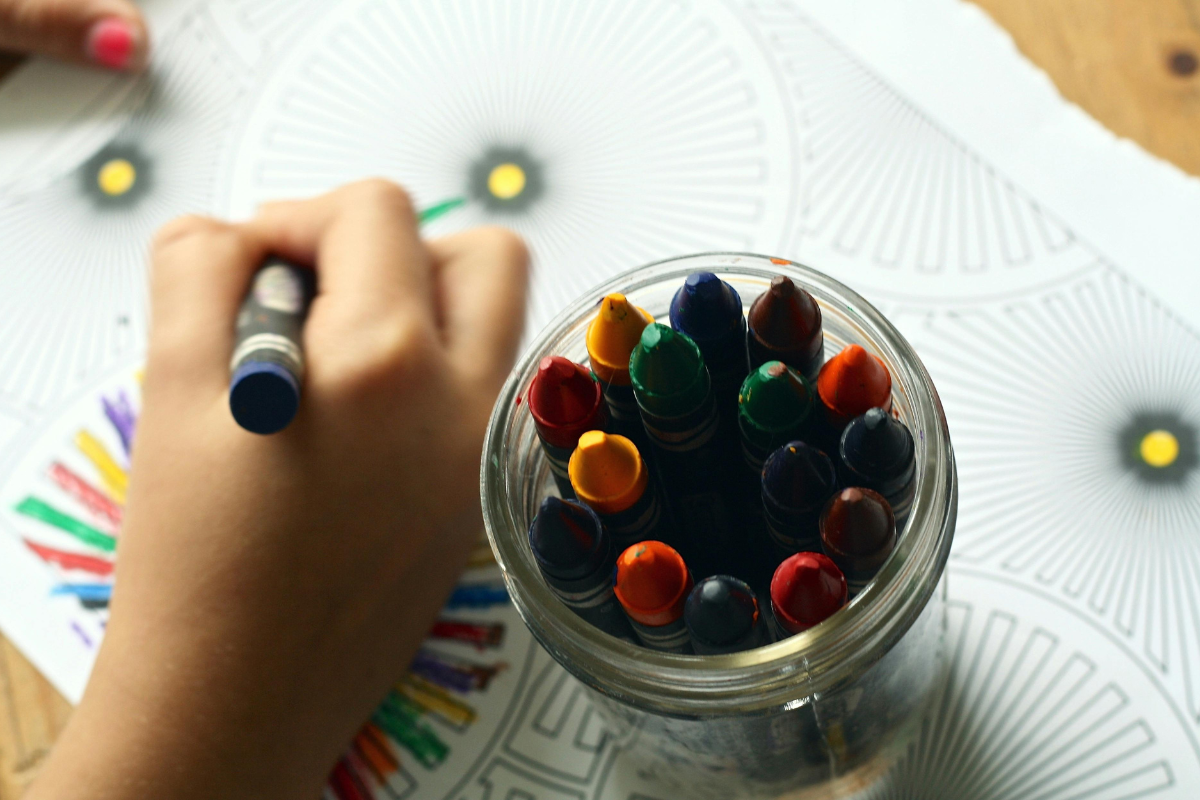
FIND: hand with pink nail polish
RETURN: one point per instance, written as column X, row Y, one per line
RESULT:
column 105, row 33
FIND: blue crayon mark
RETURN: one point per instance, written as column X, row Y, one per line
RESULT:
column 477, row 595
column 84, row 591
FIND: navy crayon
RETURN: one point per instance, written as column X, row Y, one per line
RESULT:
column 268, row 360
column 723, row 616
column 576, row 558
column 709, row 311
column 797, row 482
column 565, row 401
column 877, row 452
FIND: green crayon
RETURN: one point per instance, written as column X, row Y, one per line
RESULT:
column 674, row 394
column 775, row 406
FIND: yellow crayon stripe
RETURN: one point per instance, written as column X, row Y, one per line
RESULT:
column 436, row 701
column 115, row 479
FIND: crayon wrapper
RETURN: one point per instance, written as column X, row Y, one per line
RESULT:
column 641, row 521
column 271, row 320
column 558, row 458
column 670, row 638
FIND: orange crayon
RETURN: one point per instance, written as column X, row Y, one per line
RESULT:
column 851, row 383
column 609, row 475
column 653, row 583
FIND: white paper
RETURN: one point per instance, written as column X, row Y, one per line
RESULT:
column 1044, row 270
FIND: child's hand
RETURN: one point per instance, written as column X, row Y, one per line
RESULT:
column 106, row 33
column 270, row 589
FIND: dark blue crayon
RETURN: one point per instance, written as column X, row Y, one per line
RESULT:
column 709, row 311
column 723, row 615
column 797, row 481
column 877, row 452
column 268, row 360
column 576, row 557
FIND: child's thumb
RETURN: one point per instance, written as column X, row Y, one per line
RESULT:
column 106, row 33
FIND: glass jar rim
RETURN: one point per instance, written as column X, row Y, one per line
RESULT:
column 764, row 679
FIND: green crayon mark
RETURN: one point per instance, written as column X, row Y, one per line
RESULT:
column 774, row 405
column 39, row 510
column 399, row 718
column 439, row 209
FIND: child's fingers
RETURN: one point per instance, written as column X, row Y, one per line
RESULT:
column 482, row 277
column 107, row 33
column 200, row 269
column 363, row 241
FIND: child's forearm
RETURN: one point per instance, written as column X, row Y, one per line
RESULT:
column 269, row 589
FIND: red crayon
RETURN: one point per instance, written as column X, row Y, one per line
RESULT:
column 850, row 384
column 479, row 635
column 807, row 588
column 784, row 324
column 858, row 531
column 566, row 401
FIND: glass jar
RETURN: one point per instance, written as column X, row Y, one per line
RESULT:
column 818, row 714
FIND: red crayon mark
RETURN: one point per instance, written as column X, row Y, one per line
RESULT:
column 92, row 498
column 479, row 635
column 343, row 784
column 68, row 560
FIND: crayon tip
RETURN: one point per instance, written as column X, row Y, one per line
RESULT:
column 799, row 476
column 774, row 397
column 563, row 392
column 706, row 308
column 854, row 381
column 877, row 442
column 806, row 589
column 607, row 472
column 612, row 335
column 858, row 523
column 721, row 610
column 665, row 362
column 566, row 538
column 652, row 583
column 786, row 318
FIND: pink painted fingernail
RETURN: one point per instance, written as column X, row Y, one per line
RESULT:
column 113, row 43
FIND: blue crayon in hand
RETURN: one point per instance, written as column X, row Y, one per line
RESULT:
column 268, row 358
column 709, row 311
column 723, row 615
column 576, row 557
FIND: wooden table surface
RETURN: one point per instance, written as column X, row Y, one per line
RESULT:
column 1132, row 64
